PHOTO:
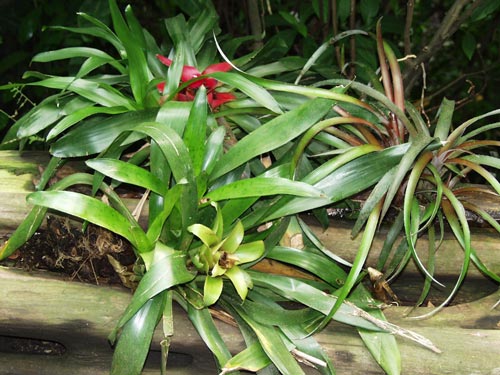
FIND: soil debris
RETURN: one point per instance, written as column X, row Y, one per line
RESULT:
column 91, row 254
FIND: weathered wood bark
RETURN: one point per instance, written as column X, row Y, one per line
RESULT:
column 80, row 317
column 17, row 171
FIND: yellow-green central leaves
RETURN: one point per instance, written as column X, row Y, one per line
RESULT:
column 218, row 256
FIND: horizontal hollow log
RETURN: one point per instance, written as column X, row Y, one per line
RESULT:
column 19, row 170
column 80, row 317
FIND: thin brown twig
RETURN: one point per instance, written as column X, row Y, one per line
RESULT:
column 464, row 76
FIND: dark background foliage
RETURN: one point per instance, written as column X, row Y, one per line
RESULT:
column 460, row 55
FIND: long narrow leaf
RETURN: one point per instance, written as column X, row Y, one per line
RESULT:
column 106, row 96
column 302, row 292
column 138, row 67
column 98, row 134
column 196, row 130
column 273, row 345
column 358, row 263
column 79, row 115
column 252, row 145
column 135, row 339
column 87, row 208
column 165, row 270
column 75, row 52
column 204, row 324
column 253, row 358
column 455, row 214
column 128, row 173
column 260, row 95
column 262, row 186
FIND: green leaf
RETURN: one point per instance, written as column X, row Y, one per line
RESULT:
column 357, row 264
column 376, row 194
column 254, row 91
column 213, row 150
column 96, row 135
column 250, row 252
column 234, row 238
column 460, row 130
column 383, row 347
column 140, row 76
column 292, row 21
column 380, row 97
column 204, row 324
column 212, row 290
column 240, row 279
column 89, row 209
column 172, row 147
column 263, row 186
column 316, row 264
column 404, row 166
column 166, row 268
column 455, row 215
column 445, row 116
column 203, row 25
column 135, row 339
column 101, row 31
column 273, row 344
column 40, row 117
column 196, row 130
column 337, row 178
column 168, row 203
column 468, row 44
column 276, row 132
column 205, row 234
column 311, row 348
column 93, row 91
column 128, row 173
column 79, row 115
column 490, row 161
column 177, row 27
column 75, row 52
column 299, row 291
column 253, row 358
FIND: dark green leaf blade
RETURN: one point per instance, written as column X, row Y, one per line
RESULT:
column 135, row 339
column 276, row 132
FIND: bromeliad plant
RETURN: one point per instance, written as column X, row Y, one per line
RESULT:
column 199, row 164
column 225, row 160
column 429, row 185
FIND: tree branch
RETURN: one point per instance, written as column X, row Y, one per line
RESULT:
column 255, row 23
column 409, row 20
column 335, row 26
column 455, row 17
column 352, row 26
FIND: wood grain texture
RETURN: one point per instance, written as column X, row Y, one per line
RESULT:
column 80, row 316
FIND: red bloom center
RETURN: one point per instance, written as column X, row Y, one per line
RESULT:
column 214, row 98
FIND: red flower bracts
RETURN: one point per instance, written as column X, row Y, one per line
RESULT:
column 214, row 98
